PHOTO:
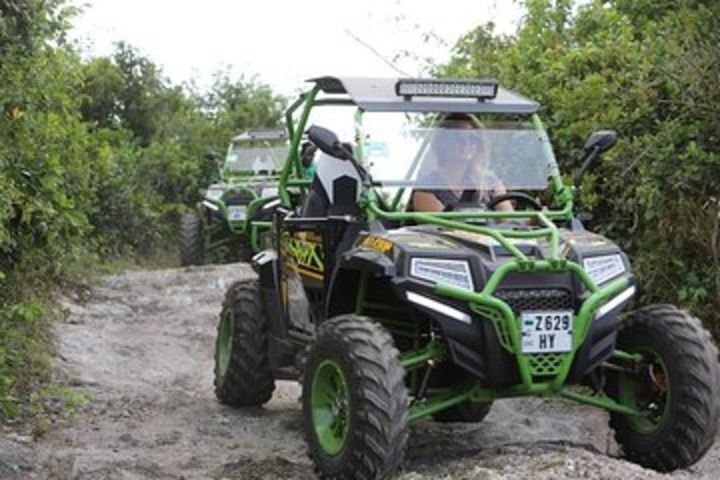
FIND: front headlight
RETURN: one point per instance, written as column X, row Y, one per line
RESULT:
column 604, row 268
column 452, row 272
column 214, row 193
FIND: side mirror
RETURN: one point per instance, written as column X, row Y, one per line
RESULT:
column 600, row 141
column 327, row 141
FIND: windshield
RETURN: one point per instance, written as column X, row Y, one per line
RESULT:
column 256, row 157
column 402, row 151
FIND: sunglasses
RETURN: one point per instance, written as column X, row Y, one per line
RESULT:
column 459, row 142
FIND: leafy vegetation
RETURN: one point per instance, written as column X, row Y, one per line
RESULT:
column 22, row 351
column 649, row 70
column 97, row 158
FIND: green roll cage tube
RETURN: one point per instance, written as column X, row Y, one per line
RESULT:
column 484, row 301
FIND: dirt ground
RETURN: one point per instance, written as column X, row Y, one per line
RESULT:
column 140, row 347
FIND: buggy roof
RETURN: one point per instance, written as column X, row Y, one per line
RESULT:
column 262, row 134
column 379, row 95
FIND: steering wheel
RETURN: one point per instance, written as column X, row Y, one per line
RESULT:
column 517, row 196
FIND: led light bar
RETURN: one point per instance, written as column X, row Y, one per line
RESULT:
column 619, row 299
column 446, row 310
column 273, row 134
column 210, row 205
column 480, row 89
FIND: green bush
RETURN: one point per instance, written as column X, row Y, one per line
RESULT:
column 23, row 352
column 43, row 165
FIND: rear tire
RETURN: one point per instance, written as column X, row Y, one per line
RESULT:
column 242, row 367
column 191, row 240
column 466, row 412
column 355, row 404
column 678, row 384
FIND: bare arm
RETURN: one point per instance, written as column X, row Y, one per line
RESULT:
column 426, row 202
column 505, row 206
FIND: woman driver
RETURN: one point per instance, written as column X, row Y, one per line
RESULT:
column 460, row 161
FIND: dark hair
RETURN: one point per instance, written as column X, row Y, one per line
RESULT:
column 307, row 153
column 454, row 120
column 444, row 141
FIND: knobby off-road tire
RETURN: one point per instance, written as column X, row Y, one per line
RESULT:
column 191, row 240
column 688, row 368
column 467, row 412
column 355, row 404
column 242, row 368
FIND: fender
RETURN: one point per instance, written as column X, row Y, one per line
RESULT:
column 343, row 284
column 281, row 350
column 368, row 261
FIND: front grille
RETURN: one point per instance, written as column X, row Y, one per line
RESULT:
column 537, row 299
column 542, row 364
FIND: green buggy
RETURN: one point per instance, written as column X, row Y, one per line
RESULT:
column 227, row 224
column 387, row 315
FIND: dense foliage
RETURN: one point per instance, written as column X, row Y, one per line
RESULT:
column 97, row 157
column 649, row 70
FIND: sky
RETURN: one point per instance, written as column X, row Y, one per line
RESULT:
column 285, row 42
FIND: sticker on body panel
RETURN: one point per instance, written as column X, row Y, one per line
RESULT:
column 380, row 244
column 304, row 254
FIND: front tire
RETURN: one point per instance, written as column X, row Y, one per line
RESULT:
column 355, row 404
column 677, row 384
column 242, row 368
column 191, row 241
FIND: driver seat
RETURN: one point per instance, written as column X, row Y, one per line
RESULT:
column 335, row 189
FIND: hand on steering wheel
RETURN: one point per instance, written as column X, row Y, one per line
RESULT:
column 517, row 196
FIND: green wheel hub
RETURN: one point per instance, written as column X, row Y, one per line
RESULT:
column 223, row 350
column 330, row 407
column 648, row 391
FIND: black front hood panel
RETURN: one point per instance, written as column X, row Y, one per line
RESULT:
column 483, row 252
column 486, row 255
column 238, row 197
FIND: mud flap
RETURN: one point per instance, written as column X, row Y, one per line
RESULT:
column 280, row 349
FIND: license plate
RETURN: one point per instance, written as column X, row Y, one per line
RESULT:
column 546, row 332
column 237, row 212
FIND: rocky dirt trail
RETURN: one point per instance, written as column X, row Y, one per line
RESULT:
column 140, row 347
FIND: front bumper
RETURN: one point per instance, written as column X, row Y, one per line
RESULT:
column 552, row 369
